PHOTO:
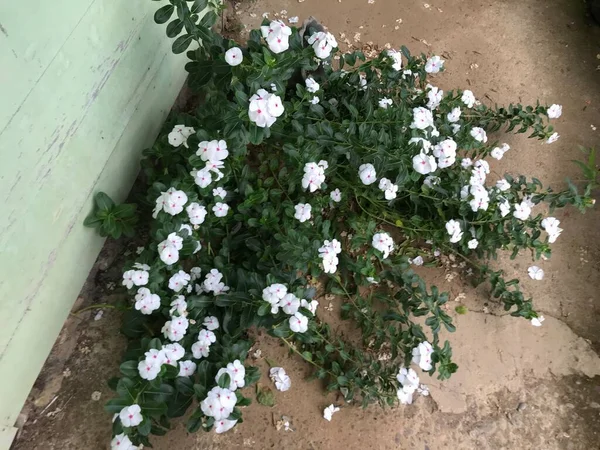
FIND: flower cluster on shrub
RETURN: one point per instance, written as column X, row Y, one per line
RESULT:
column 278, row 186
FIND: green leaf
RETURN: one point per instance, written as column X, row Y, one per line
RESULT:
column 163, row 14
column 182, row 43
column 153, row 409
column 174, row 28
column 115, row 405
column 265, row 396
column 199, row 6
column 224, row 380
column 184, row 385
column 103, row 201
column 145, row 427
column 129, row 369
column 195, row 421
column 126, row 388
column 208, row 20
column 307, row 356
column 252, row 375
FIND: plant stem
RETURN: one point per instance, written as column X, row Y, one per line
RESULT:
column 95, row 306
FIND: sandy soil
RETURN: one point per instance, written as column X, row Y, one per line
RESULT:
column 518, row 387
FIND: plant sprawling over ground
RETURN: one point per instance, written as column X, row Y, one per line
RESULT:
column 305, row 169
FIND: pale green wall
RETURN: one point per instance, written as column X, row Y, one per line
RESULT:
column 84, row 86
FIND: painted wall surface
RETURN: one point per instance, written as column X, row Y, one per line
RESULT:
column 84, row 86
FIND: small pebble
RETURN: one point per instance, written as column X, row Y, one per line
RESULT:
column 522, row 406
column 96, row 395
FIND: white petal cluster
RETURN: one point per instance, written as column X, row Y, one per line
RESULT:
column 536, row 273
column 311, row 85
column 179, row 280
column 390, row 190
column 280, row 378
column 322, row 43
column 551, row 226
column 522, row 210
column 434, row 64
column 277, row 34
column 187, row 368
column 212, row 283
column 367, row 174
column 236, row 372
column 219, row 403
column 146, row 302
column 213, row 153
column 329, row 412
column 553, row 138
column 434, row 96
column 234, row 56
column 422, row 118
column 445, row 152
column 122, row 442
column 274, row 294
column 422, row 356
column 131, row 416
column 384, row 243
column 136, row 277
column 498, row 152
column 396, row 57
column 196, row 213
column 176, row 328
column 150, row 367
column 468, row 98
column 265, row 108
column 171, row 202
column 328, row 253
column 554, row 112
column 454, row 230
column 168, row 249
column 479, row 134
column 385, row 102
column 424, row 163
column 454, row 115
column 314, row 175
column 302, row 211
column 179, row 135
column 336, row 195
column 201, row 348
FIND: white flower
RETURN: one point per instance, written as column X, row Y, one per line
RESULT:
column 454, row 115
column 135, row 277
column 473, row 243
column 435, row 96
column 131, row 416
column 195, row 272
column 390, row 190
column 265, row 108
column 446, row 148
column 422, row 355
column 455, row 128
column 466, row 163
column 273, row 295
column 277, row 35
column 522, row 210
column 424, row 143
column 396, row 56
column 496, row 153
column 223, row 425
column 537, row 321
column 169, row 253
column 424, row 164
column 482, row 165
column 405, row 396
column 220, row 192
column 553, row 138
column 179, row 305
column 173, row 353
column 298, row 323
column 122, row 442
column 551, row 225
column 417, row 261
column 311, row 306
column 179, row 135
column 280, row 378
column 322, row 43
column 502, row 185
column 328, row 253
column 329, row 412
column 176, row 328
column 290, row 304
column 178, row 281
column 479, row 134
column 212, row 282
column 422, row 118
column 211, row 323
column 148, row 370
column 237, row 373
column 555, row 111
column 453, row 229
column 408, row 378
column 303, row 211
column 315, row 100
column 311, row 85
column 146, row 302
column 314, row 176
column 367, row 174
column 384, row 243
column 219, row 403
column 504, row 208
column 171, row 202
column 196, row 213
column 434, row 64
column 431, row 181
column 234, row 56
column 201, row 349
column 536, row 273
column 232, row 386
column 215, row 150
column 336, row 195
column 186, row 368
column 220, row 209
column 468, row 98
column 202, row 177
column 385, row 102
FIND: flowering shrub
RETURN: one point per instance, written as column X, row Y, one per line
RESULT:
column 279, row 187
